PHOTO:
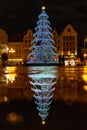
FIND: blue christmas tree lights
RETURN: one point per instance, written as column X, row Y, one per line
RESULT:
column 43, row 48
column 43, row 87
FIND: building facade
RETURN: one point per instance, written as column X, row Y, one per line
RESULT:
column 27, row 43
column 69, row 41
column 18, row 51
column 66, row 43
column 3, row 43
column 15, row 53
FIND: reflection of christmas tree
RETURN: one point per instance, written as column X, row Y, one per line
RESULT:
column 43, row 49
column 43, row 88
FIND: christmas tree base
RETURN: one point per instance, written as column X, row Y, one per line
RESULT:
column 41, row 64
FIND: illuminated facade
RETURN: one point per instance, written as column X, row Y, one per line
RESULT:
column 3, row 42
column 15, row 53
column 27, row 43
column 18, row 51
column 67, row 42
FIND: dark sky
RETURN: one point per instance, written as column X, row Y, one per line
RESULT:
column 16, row 16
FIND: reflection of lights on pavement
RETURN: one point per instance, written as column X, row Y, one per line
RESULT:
column 85, row 77
column 3, row 99
column 66, row 63
column 14, row 118
column 72, row 62
column 43, row 122
column 70, row 78
column 10, row 74
column 10, row 77
column 43, row 82
column 85, row 69
column 85, row 88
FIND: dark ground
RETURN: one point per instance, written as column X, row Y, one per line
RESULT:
column 61, row 116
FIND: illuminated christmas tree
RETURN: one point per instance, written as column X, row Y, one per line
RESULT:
column 43, row 48
column 43, row 83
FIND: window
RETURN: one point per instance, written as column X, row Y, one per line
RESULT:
column 68, row 30
column 58, row 41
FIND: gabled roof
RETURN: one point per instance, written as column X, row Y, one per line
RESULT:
column 69, row 30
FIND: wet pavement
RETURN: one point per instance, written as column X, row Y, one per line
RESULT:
column 68, row 110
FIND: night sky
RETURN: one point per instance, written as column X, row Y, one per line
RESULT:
column 16, row 16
